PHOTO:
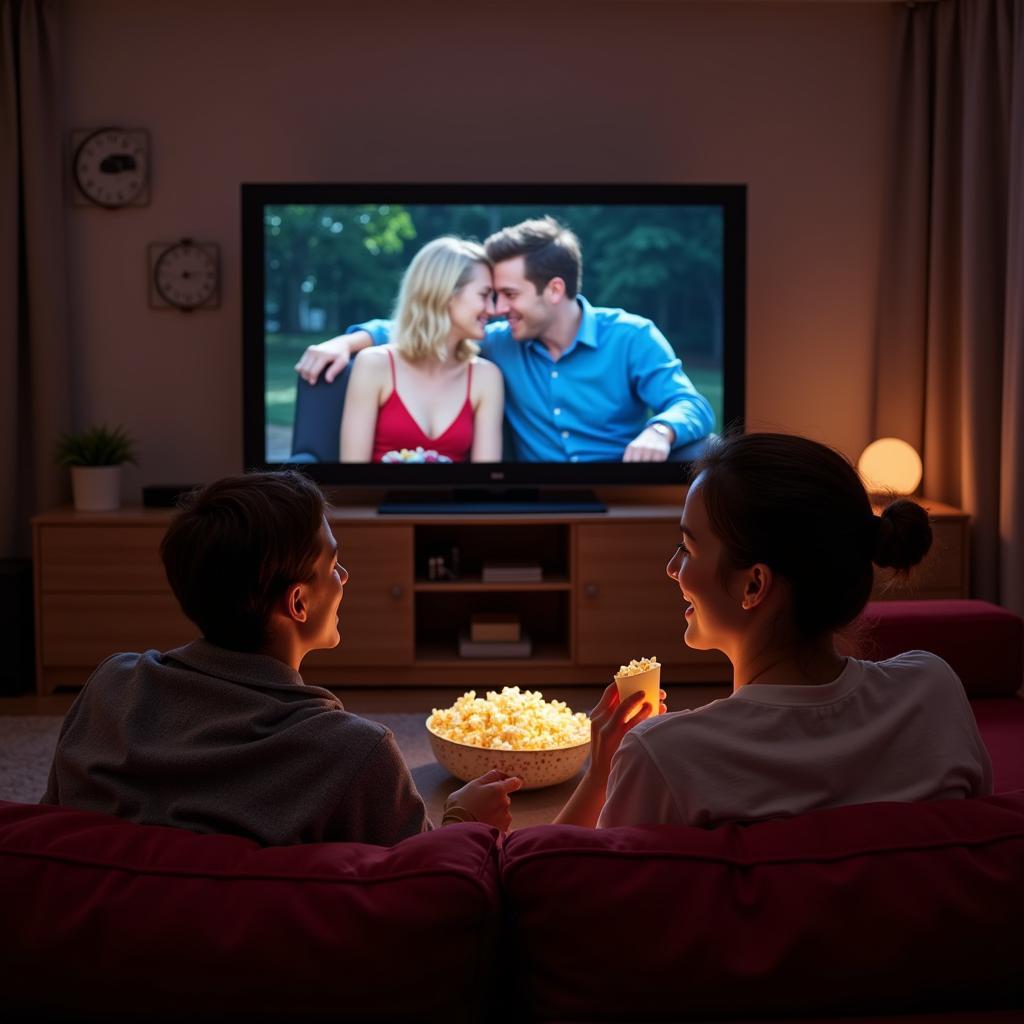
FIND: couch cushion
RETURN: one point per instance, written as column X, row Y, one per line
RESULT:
column 1001, row 724
column 118, row 920
column 982, row 642
column 859, row 909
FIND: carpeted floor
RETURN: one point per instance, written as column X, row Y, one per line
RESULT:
column 26, row 748
column 27, row 743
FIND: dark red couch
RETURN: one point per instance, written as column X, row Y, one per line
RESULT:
column 876, row 910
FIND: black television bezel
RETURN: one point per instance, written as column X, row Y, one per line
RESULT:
column 731, row 198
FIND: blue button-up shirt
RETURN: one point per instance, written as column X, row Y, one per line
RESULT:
column 618, row 376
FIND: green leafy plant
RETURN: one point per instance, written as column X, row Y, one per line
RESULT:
column 97, row 446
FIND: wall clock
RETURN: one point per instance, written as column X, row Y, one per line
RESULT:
column 184, row 275
column 110, row 167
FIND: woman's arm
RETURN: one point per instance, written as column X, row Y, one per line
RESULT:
column 638, row 793
column 362, row 403
column 488, row 412
column 608, row 726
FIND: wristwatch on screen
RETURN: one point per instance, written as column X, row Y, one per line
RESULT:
column 665, row 430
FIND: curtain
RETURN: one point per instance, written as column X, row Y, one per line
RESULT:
column 950, row 344
column 35, row 348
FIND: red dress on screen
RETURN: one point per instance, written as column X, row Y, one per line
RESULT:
column 396, row 429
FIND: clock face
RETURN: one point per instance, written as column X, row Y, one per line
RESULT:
column 111, row 167
column 185, row 275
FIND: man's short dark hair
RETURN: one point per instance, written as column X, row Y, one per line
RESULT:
column 549, row 249
column 235, row 546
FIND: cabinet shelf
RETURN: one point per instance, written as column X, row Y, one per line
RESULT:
column 465, row 586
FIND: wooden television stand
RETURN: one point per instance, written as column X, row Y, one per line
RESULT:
column 602, row 599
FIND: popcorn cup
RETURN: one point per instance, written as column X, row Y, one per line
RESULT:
column 648, row 681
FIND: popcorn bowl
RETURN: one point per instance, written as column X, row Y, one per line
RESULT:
column 537, row 768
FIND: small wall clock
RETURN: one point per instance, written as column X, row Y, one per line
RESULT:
column 110, row 167
column 184, row 275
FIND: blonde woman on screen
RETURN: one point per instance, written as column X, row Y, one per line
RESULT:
column 428, row 391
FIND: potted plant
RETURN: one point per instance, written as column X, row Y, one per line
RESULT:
column 95, row 457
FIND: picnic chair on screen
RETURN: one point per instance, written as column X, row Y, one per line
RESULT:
column 317, row 426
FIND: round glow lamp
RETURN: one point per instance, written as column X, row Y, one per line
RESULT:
column 890, row 465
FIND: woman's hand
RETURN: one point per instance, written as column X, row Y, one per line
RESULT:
column 487, row 798
column 608, row 725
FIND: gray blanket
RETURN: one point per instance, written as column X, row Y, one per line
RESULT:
column 221, row 741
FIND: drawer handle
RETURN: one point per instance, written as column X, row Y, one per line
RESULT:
column 591, row 590
column 396, row 591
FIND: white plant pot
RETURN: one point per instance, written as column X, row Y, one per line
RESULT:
column 96, row 488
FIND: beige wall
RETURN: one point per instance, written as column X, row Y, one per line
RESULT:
column 789, row 98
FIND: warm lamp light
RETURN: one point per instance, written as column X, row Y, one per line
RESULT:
column 890, row 465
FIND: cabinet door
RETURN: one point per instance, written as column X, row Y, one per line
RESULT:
column 102, row 590
column 626, row 606
column 116, row 559
column 79, row 630
column 375, row 617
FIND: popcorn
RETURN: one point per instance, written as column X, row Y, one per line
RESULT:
column 635, row 667
column 417, row 454
column 641, row 674
column 511, row 720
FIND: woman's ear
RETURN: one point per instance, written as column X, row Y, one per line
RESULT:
column 757, row 585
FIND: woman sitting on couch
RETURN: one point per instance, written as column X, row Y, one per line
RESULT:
column 429, row 389
column 778, row 541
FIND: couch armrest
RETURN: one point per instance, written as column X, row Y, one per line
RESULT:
column 983, row 643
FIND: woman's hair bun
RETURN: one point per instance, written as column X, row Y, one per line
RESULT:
column 904, row 536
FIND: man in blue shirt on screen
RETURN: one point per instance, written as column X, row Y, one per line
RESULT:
column 582, row 383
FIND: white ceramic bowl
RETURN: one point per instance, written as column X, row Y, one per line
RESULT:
column 537, row 768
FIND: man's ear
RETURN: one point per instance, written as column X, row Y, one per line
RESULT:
column 757, row 584
column 554, row 290
column 294, row 602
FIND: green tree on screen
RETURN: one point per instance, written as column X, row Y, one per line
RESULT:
column 664, row 263
column 334, row 257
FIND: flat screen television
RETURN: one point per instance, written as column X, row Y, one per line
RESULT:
column 663, row 271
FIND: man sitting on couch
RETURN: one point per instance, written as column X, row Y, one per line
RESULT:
column 222, row 734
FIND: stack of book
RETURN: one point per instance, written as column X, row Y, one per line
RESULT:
column 512, row 572
column 494, row 635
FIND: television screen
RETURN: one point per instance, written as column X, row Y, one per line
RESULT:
column 468, row 334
